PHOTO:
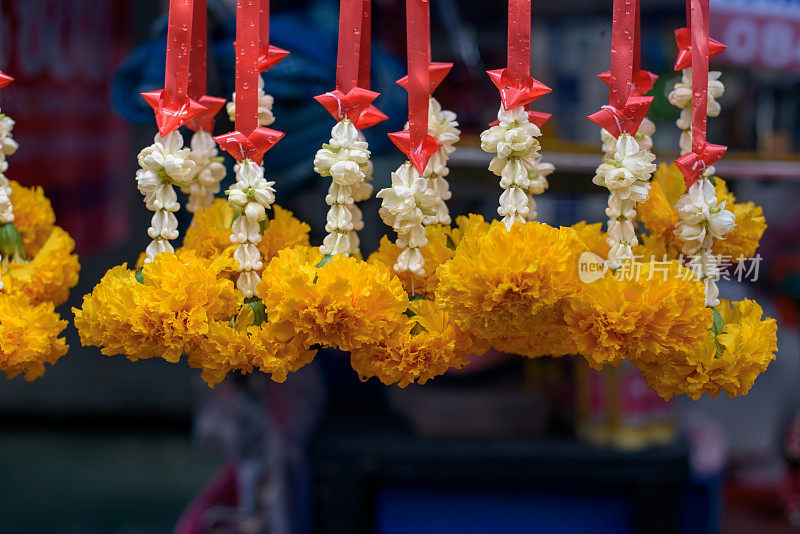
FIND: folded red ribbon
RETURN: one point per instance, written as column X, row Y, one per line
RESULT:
column 370, row 117
column 437, row 72
column 205, row 119
column 534, row 117
column 170, row 118
column 268, row 55
column 642, row 81
column 626, row 120
column 684, row 39
column 417, row 151
column 5, row 79
column 515, row 92
column 252, row 146
column 347, row 106
column 695, row 163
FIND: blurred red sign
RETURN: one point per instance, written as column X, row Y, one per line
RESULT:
column 62, row 55
column 757, row 37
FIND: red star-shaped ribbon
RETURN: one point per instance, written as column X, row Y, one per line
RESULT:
column 418, row 155
column 205, row 120
column 252, row 146
column 170, row 119
column 273, row 56
column 350, row 105
column 437, row 72
column 534, row 117
column 626, row 120
column 641, row 83
column 683, row 36
column 515, row 94
column 5, row 79
column 694, row 164
column 370, row 117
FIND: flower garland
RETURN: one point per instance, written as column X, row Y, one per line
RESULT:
column 210, row 172
column 681, row 98
column 164, row 164
column 8, row 247
column 345, row 159
column 251, row 196
column 517, row 152
column 443, row 126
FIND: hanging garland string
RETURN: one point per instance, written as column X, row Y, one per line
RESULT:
column 703, row 154
column 248, row 141
column 172, row 106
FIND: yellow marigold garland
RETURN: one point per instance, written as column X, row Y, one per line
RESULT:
column 341, row 302
column 33, row 216
column 661, row 308
column 728, row 361
column 50, row 274
column 498, row 281
column 159, row 312
column 425, row 345
column 28, row 336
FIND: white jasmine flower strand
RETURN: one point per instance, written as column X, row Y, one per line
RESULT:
column 442, row 125
column 164, row 164
column 8, row 146
column 404, row 207
column 644, row 136
column 251, row 196
column 210, row 172
column 345, row 159
column 514, row 142
column 626, row 174
column 265, row 102
column 681, row 97
column 701, row 221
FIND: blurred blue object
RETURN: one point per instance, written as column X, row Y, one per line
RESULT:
column 402, row 511
column 309, row 70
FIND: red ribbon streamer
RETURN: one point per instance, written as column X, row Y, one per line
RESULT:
column 622, row 52
column 179, row 35
column 247, row 53
column 5, row 79
column 365, row 50
column 703, row 154
column 349, row 46
column 198, row 59
column 519, row 40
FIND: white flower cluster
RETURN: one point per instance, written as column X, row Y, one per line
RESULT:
column 404, row 207
column 517, row 163
column 164, row 164
column 345, row 159
column 265, row 102
column 443, row 125
column 701, row 221
column 644, row 136
column 210, row 172
column 7, row 147
column 681, row 97
column 250, row 197
column 626, row 174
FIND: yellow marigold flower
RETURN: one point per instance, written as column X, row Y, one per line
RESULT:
column 498, row 281
column 468, row 225
column 283, row 230
column 440, row 248
column 730, row 361
column 593, row 237
column 427, row 344
column 551, row 336
column 657, row 309
column 241, row 345
column 162, row 316
column 28, row 336
column 33, row 216
column 657, row 214
column 50, row 275
column 345, row 303
column 744, row 239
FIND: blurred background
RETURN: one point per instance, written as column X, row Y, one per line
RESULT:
column 101, row 445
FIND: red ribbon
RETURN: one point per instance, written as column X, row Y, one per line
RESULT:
column 5, row 79
column 172, row 106
column 627, row 106
column 683, row 38
column 365, row 49
column 248, row 141
column 268, row 55
column 415, row 142
column 198, row 71
column 703, row 154
column 351, row 105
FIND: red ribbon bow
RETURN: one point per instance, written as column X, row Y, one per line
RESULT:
column 419, row 151
column 170, row 117
column 205, row 119
column 252, row 146
column 684, row 39
column 626, row 120
column 703, row 154
column 351, row 105
column 437, row 72
column 695, row 163
column 642, row 81
column 5, row 79
column 516, row 92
